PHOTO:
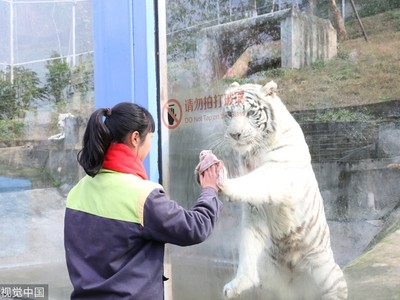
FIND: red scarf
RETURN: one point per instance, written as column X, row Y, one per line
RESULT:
column 120, row 158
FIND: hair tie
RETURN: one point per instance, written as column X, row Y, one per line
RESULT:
column 108, row 113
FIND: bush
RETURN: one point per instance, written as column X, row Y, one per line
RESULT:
column 58, row 78
column 16, row 95
column 7, row 99
column 11, row 130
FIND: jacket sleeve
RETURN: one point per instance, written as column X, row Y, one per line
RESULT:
column 166, row 221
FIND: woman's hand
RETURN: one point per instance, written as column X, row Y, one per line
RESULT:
column 210, row 176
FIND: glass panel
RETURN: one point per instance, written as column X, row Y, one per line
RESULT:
column 341, row 86
column 46, row 92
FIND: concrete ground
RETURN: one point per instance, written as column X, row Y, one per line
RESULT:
column 32, row 252
column 376, row 274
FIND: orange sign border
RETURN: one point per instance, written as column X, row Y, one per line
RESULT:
column 169, row 112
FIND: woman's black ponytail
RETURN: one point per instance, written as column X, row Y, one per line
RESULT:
column 96, row 140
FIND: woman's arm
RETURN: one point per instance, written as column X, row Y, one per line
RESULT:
column 166, row 221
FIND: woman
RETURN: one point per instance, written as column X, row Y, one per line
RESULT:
column 117, row 222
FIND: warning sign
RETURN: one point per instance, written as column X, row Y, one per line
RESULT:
column 172, row 113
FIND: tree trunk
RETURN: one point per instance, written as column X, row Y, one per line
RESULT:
column 338, row 22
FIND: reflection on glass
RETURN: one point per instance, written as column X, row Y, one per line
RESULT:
column 340, row 88
column 46, row 70
column 46, row 88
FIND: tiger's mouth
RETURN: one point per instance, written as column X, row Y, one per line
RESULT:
column 240, row 145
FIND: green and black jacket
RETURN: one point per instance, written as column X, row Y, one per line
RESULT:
column 116, row 226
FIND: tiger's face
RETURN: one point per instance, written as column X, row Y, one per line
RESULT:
column 247, row 116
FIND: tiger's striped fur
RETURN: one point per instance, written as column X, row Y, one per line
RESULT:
column 285, row 243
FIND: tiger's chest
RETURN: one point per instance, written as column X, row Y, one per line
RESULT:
column 251, row 162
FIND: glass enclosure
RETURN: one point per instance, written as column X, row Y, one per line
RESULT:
column 340, row 84
column 46, row 92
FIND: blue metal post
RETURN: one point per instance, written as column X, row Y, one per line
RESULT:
column 124, row 60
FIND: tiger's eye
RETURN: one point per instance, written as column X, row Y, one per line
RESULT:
column 250, row 113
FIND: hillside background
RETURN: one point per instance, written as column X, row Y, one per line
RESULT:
column 362, row 73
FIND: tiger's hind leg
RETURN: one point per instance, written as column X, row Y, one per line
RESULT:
column 251, row 248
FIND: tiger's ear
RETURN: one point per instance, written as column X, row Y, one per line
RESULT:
column 270, row 88
column 234, row 84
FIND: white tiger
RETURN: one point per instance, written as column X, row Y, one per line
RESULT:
column 285, row 242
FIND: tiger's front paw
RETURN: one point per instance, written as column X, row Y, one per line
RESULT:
column 222, row 178
column 230, row 292
column 241, row 283
column 225, row 185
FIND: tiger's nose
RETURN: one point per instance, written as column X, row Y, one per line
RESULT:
column 235, row 136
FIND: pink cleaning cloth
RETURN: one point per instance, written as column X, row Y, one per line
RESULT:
column 207, row 159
